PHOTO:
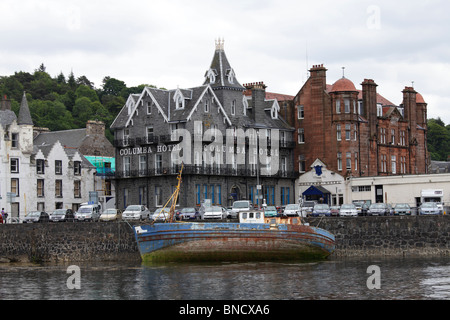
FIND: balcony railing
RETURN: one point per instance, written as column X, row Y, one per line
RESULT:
column 166, row 139
column 201, row 170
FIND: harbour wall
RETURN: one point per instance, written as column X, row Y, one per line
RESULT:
column 114, row 241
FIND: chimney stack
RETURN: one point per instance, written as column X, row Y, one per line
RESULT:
column 258, row 90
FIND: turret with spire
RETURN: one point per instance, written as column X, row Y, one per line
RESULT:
column 24, row 112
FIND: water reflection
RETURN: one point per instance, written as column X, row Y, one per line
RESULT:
column 332, row 279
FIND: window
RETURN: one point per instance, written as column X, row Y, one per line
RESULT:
column 300, row 112
column 158, row 164
column 15, row 186
column 338, row 132
column 356, row 161
column 383, row 163
column 339, row 161
column 379, row 110
column 126, row 166
column 77, row 189
column 149, row 107
column 347, row 105
column 77, row 168
column 382, row 135
column 40, row 166
column 361, row 189
column 40, row 187
column 348, row 161
column 150, row 137
column 285, row 196
column 142, row 195
column 58, row 189
column 218, row 194
column 283, row 166
column 142, row 165
column 14, row 165
column 158, row 196
column 14, row 140
column 301, row 135
column 355, row 132
column 233, row 107
column 394, row 164
column 197, row 193
column 393, row 136
column 301, row 163
column 347, row 132
column 338, row 106
column 58, row 167
column 402, row 138
column 126, row 136
column 207, row 106
column 402, row 164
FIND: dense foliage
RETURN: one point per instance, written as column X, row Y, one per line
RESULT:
column 438, row 139
column 61, row 103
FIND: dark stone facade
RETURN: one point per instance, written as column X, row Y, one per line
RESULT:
column 146, row 171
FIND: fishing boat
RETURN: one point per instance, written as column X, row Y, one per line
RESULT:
column 253, row 238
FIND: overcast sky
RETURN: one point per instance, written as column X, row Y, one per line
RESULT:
column 171, row 43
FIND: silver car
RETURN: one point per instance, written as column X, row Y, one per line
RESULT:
column 378, row 209
column 135, row 212
column 429, row 208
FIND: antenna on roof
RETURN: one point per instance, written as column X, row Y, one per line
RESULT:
column 412, row 84
column 343, row 72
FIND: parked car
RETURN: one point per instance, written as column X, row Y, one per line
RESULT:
column 270, row 211
column 188, row 213
column 214, row 212
column 88, row 213
column 308, row 207
column 349, row 210
column 160, row 215
column 241, row 205
column 292, row 210
column 62, row 215
column 36, row 216
column 361, row 207
column 335, row 210
column 135, row 212
column 402, row 209
column 378, row 209
column 111, row 214
column 321, row 209
column 429, row 208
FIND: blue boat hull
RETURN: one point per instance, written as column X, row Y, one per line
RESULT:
column 232, row 242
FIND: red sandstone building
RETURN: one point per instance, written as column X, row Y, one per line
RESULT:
column 358, row 132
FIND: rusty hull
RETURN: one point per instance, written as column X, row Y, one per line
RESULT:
column 232, row 242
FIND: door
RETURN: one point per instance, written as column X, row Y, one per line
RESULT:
column 379, row 194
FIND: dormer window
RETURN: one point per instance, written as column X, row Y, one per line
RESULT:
column 211, row 75
column 274, row 110
column 179, row 100
column 231, row 76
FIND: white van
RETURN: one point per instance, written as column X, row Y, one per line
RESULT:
column 241, row 205
column 90, row 212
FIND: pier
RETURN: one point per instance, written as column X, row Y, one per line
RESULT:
column 114, row 241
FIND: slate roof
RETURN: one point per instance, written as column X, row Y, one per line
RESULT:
column 224, row 79
column 24, row 112
column 7, row 117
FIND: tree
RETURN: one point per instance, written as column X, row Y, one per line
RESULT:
column 112, row 86
column 438, row 138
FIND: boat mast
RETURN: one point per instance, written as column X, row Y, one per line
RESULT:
column 175, row 196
